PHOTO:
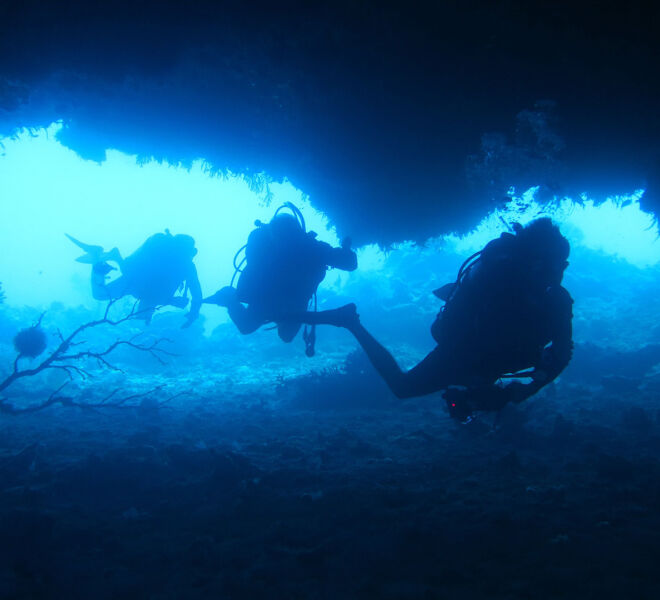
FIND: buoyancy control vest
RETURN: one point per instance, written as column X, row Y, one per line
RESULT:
column 492, row 314
column 279, row 269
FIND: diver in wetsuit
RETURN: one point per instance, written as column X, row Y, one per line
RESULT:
column 284, row 265
column 506, row 316
column 161, row 272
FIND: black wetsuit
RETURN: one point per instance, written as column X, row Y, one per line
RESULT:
column 499, row 320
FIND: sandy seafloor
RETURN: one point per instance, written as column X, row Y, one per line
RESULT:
column 275, row 476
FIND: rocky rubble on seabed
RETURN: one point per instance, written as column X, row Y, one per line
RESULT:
column 255, row 496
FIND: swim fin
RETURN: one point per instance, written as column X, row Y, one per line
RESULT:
column 94, row 254
column 223, row 297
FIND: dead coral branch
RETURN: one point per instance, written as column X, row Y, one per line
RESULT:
column 65, row 359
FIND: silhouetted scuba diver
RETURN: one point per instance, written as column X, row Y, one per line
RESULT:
column 279, row 274
column 161, row 272
column 506, row 316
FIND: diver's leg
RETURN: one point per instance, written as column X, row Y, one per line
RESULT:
column 246, row 320
column 432, row 374
column 118, row 288
column 381, row 359
column 427, row 377
column 339, row 317
column 287, row 330
column 101, row 291
column 347, row 317
column 115, row 256
column 289, row 322
column 288, row 326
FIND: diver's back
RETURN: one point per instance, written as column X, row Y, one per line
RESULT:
column 156, row 269
column 280, row 270
column 496, row 318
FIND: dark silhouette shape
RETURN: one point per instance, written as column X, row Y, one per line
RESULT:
column 284, row 264
column 161, row 272
column 505, row 316
column 31, row 342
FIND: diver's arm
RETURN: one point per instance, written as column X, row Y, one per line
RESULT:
column 340, row 258
column 195, row 294
column 102, row 289
column 556, row 356
column 99, row 279
column 517, row 392
column 554, row 362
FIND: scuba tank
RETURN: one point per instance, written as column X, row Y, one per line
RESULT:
column 238, row 266
column 240, row 259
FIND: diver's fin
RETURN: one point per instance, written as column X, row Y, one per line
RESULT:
column 222, row 297
column 94, row 254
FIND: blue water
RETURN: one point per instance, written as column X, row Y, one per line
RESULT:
column 234, row 466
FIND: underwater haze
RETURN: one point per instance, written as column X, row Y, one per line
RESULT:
column 167, row 462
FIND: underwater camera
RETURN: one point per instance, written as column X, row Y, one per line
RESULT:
column 460, row 411
column 458, row 405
